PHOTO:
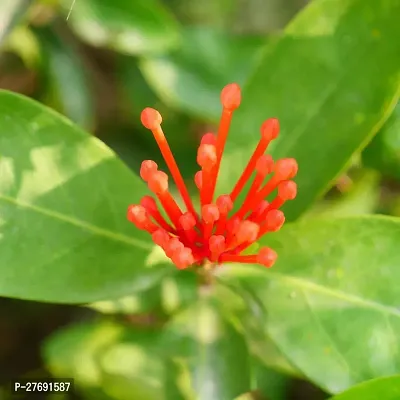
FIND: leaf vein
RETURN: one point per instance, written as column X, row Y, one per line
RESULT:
column 80, row 224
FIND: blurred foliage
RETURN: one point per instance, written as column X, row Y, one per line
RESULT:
column 76, row 75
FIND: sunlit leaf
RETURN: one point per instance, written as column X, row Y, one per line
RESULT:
column 64, row 236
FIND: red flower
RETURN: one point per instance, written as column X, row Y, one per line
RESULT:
column 192, row 238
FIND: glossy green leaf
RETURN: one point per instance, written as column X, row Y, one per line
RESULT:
column 128, row 26
column 64, row 236
column 11, row 12
column 192, row 77
column 332, row 298
column 383, row 388
column 65, row 76
column 108, row 361
column 209, row 356
column 383, row 153
column 332, row 81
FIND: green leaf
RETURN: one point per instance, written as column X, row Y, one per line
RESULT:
column 64, row 236
column 333, row 298
column 209, row 356
column 65, row 75
column 241, row 306
column 11, row 12
column 108, row 360
column 383, row 388
column 332, row 81
column 192, row 77
column 383, row 153
column 128, row 26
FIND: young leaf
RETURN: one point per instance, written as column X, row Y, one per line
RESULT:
column 332, row 298
column 64, row 236
column 332, row 81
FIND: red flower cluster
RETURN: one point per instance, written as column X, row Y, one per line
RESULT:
column 192, row 238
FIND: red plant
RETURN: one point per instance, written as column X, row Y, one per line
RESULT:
column 213, row 234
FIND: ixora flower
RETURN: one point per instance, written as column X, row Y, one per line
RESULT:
column 216, row 234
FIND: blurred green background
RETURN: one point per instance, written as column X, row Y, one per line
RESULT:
column 100, row 68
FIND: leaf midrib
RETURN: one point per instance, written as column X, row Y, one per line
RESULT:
column 75, row 222
column 350, row 298
column 302, row 284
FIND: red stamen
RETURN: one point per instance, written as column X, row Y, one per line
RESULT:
column 264, row 166
column 206, row 158
column 183, row 258
column 269, row 131
column 232, row 226
column 158, row 184
column 151, row 119
column 210, row 214
column 284, row 169
column 216, row 245
column 258, row 212
column 188, row 222
column 151, row 207
column 198, row 179
column 160, row 237
column 138, row 215
column 231, row 96
column 273, row 222
column 225, row 205
column 287, row 190
column 266, row 257
column 230, row 99
column 247, row 232
column 209, row 138
column 172, row 246
column 147, row 169
column 245, row 259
